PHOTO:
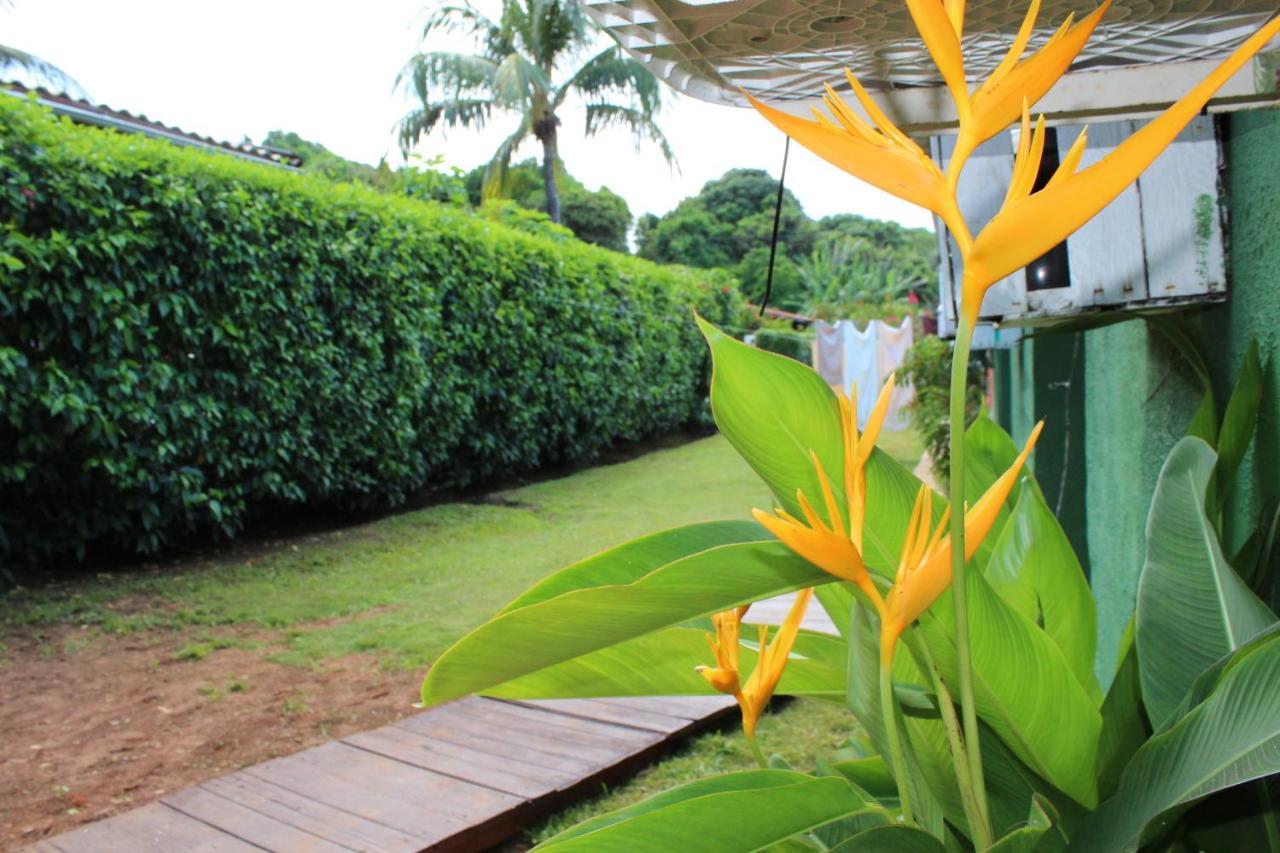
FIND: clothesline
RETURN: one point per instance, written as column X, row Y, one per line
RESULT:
column 853, row 359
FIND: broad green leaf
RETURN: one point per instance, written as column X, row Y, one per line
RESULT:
column 862, row 683
column 1240, row 417
column 744, row 819
column 748, row 780
column 891, row 839
column 871, row 774
column 988, row 452
column 774, row 411
column 517, row 642
column 1034, row 569
column 1204, row 423
column 1124, row 728
column 1207, row 681
column 1012, row 788
column 664, row 664
column 635, row 559
column 1027, row 837
column 1024, row 688
column 1230, row 738
column 1192, row 606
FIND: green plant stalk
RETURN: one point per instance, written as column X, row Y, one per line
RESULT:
column 959, row 373
column 757, row 753
column 979, row 821
column 888, row 708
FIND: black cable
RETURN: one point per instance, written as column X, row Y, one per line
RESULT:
column 777, row 219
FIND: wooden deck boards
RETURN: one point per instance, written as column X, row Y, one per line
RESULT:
column 461, row 776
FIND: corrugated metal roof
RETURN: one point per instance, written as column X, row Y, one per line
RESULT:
column 87, row 112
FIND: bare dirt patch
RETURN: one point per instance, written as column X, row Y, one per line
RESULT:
column 94, row 724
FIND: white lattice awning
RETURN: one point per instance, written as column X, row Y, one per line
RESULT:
column 783, row 51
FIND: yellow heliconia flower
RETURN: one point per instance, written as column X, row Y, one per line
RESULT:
column 754, row 694
column 830, row 545
column 724, row 645
column 924, row 570
column 1029, row 224
column 883, row 156
column 996, row 104
column 1027, row 227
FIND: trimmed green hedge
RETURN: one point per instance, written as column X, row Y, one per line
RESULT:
column 188, row 341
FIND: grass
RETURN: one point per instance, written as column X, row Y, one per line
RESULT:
column 408, row 585
column 798, row 732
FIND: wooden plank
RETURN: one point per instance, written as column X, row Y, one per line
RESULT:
column 154, row 828
column 482, row 739
column 428, row 805
column 461, row 762
column 342, row 827
column 553, row 733
column 607, row 712
column 691, row 708
column 246, row 824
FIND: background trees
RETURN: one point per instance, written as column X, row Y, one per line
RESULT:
column 530, row 60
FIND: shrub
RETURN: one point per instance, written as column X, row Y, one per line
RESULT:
column 790, row 344
column 928, row 368
column 187, row 340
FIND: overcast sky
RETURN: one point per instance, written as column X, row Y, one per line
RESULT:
column 325, row 69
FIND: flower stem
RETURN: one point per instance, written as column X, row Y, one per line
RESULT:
column 959, row 375
column 979, row 822
column 888, row 708
column 757, row 753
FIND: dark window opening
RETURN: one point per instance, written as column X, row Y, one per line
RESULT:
column 1051, row 269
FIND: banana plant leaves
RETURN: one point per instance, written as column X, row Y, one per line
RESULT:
column 738, row 811
column 1192, row 607
column 1232, row 737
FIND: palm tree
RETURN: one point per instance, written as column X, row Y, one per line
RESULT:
column 18, row 66
column 515, row 69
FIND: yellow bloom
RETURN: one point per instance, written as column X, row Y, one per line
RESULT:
column 830, row 545
column 1028, row 226
column 883, row 156
column 997, row 102
column 924, row 569
column 940, row 27
column 724, row 645
column 724, row 677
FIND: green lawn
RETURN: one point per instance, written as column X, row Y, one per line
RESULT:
column 407, row 586
column 800, row 731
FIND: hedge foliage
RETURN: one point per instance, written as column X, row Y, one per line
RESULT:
column 188, row 341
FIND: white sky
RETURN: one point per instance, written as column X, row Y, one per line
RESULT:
column 325, row 69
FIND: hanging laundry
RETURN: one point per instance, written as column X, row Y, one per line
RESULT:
column 828, row 353
column 860, row 368
column 892, row 343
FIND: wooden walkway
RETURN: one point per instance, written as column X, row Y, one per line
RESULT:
column 461, row 776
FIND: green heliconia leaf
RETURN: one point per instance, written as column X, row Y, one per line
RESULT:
column 1026, row 838
column 740, row 811
column 1124, row 727
column 1230, row 738
column 635, row 559
column 1034, row 569
column 871, row 774
column 863, row 697
column 1204, row 423
column 774, row 410
column 1240, row 417
column 1024, row 688
column 664, row 664
column 1192, row 606
column 518, row 642
column 891, row 839
column 988, row 453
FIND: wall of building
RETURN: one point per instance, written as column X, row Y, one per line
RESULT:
column 1132, row 396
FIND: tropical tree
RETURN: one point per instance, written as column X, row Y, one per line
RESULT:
column 530, row 60
column 18, row 66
